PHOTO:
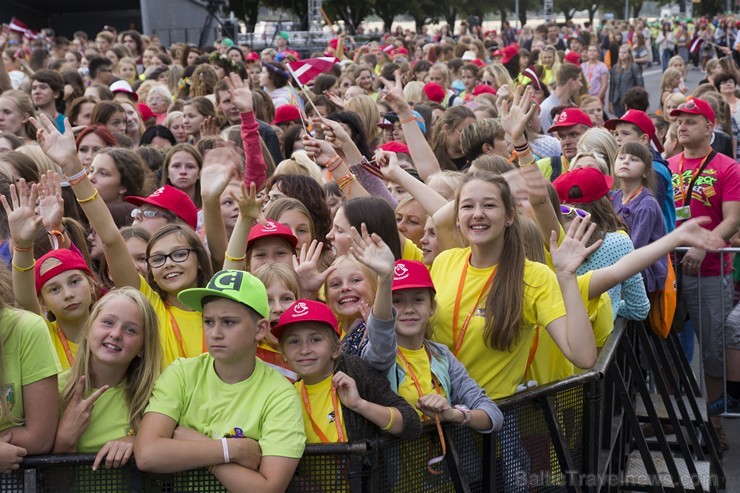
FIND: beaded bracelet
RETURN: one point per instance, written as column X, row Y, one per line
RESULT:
column 23, row 269
column 89, row 199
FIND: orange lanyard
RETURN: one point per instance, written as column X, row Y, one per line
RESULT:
column 65, row 345
column 632, row 197
column 337, row 419
column 415, row 379
column 178, row 335
column 685, row 187
column 458, row 336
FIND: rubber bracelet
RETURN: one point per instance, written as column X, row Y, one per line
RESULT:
column 89, row 199
column 393, row 418
column 225, row 446
column 410, row 119
column 332, row 161
column 23, row 269
column 23, row 250
column 77, row 177
column 235, row 259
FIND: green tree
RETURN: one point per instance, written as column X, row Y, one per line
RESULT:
column 246, row 10
column 352, row 12
column 387, row 11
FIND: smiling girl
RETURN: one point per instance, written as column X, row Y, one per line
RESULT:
column 103, row 396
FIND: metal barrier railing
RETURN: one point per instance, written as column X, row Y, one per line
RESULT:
column 575, row 434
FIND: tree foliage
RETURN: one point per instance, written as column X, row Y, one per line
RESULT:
column 352, row 12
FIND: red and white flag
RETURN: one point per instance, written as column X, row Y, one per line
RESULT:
column 20, row 27
column 304, row 71
column 696, row 44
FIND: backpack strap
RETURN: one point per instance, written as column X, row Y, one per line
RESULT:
column 556, row 163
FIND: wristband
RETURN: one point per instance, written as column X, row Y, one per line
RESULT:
column 77, row 177
column 332, row 166
column 466, row 413
column 89, row 199
column 332, row 162
column 23, row 269
column 22, row 250
column 225, row 446
column 55, row 235
column 393, row 418
column 235, row 259
column 410, row 119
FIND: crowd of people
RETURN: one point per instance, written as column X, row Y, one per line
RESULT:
column 211, row 265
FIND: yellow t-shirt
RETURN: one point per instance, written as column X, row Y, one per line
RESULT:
column 418, row 360
column 411, row 251
column 108, row 421
column 59, row 347
column 549, row 363
column 322, row 411
column 498, row 372
column 190, row 324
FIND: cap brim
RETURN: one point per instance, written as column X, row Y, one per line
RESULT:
column 609, row 181
column 414, row 286
column 194, row 297
column 612, row 124
column 136, row 200
column 287, row 237
column 278, row 330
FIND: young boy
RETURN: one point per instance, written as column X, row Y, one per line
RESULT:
column 225, row 409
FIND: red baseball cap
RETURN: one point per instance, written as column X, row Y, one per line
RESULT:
column 395, row 146
column 286, row 113
column 478, row 62
column 252, row 56
column 68, row 260
column 411, row 274
column 507, row 53
column 641, row 120
column 271, row 228
column 592, row 182
column 145, row 111
column 573, row 57
column 483, row 89
column 695, row 106
column 400, row 51
column 170, row 199
column 303, row 311
column 570, row 117
column 435, row 92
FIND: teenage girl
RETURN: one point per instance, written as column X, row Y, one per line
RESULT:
column 28, row 374
column 669, row 83
column 636, row 206
column 343, row 399
column 423, row 372
column 176, row 257
column 103, row 396
column 59, row 283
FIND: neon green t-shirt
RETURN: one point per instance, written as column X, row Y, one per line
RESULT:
column 28, row 356
column 108, row 421
column 265, row 407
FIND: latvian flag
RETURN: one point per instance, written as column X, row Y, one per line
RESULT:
column 20, row 27
column 696, row 45
column 304, row 71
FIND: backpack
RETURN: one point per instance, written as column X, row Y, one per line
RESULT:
column 663, row 304
column 556, row 163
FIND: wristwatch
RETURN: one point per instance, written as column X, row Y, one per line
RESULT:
column 466, row 412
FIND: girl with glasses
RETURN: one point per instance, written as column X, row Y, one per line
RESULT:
column 176, row 257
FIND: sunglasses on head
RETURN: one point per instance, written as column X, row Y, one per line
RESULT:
column 568, row 210
column 689, row 105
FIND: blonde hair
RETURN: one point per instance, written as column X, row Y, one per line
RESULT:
column 603, row 142
column 555, row 60
column 677, row 98
column 451, row 179
column 300, row 164
column 43, row 162
column 499, row 73
column 598, row 156
column 275, row 272
column 143, row 370
column 370, row 276
column 280, row 206
column 25, row 107
column 668, row 76
column 144, row 88
column 367, row 110
column 413, row 92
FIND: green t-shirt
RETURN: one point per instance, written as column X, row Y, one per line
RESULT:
column 28, row 356
column 108, row 421
column 265, row 407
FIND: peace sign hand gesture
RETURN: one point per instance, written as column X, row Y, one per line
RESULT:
column 393, row 93
column 76, row 417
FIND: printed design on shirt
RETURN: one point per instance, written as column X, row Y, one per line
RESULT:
column 234, row 433
column 703, row 188
column 480, row 312
column 331, row 416
column 8, row 394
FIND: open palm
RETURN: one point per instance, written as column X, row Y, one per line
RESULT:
column 61, row 148
column 372, row 251
column 23, row 221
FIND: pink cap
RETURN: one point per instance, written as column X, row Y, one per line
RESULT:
column 592, row 182
column 286, row 113
column 303, row 311
column 171, row 199
column 483, row 89
column 395, row 146
column 271, row 228
column 573, row 57
column 252, row 56
column 411, row 274
column 695, row 106
column 641, row 120
column 435, row 92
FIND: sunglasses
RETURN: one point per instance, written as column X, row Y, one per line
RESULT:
column 688, row 105
column 179, row 256
column 140, row 214
column 568, row 211
column 487, row 82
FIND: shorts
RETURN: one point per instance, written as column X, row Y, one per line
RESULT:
column 708, row 301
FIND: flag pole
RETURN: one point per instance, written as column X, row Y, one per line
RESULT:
column 303, row 88
column 300, row 113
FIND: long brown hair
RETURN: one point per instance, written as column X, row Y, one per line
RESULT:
column 506, row 296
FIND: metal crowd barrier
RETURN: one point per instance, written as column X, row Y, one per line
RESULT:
column 578, row 434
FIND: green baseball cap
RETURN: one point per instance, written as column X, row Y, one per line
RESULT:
column 232, row 284
column 284, row 35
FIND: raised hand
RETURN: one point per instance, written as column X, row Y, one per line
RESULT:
column 320, row 151
column 515, row 116
column 347, row 390
column 393, row 93
column 306, row 266
column 60, row 148
column 571, row 253
column 692, row 234
column 241, row 96
column 51, row 204
column 23, row 221
column 250, row 207
column 334, row 133
column 372, row 251
column 76, row 417
column 116, row 453
column 389, row 166
column 216, row 174
column 535, row 184
column 209, row 127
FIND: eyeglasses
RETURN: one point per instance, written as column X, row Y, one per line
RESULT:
column 568, row 210
column 487, row 82
column 140, row 214
column 178, row 256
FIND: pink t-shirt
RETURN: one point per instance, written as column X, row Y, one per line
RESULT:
column 719, row 182
column 593, row 75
